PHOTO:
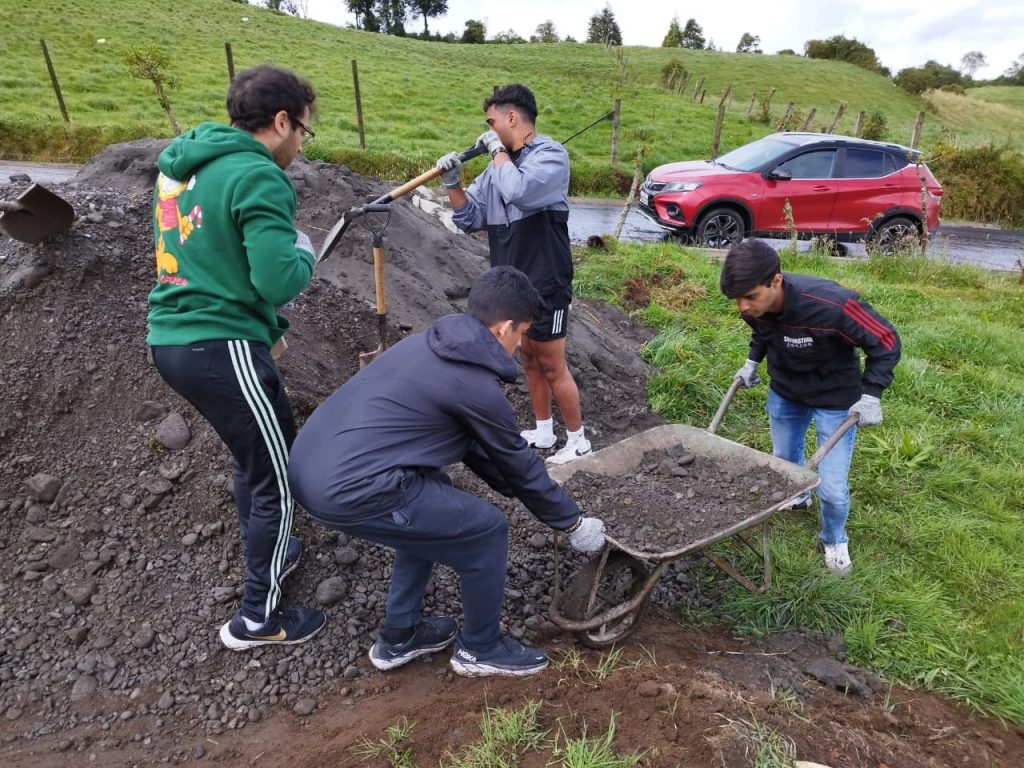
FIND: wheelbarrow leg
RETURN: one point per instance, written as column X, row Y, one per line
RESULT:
column 727, row 568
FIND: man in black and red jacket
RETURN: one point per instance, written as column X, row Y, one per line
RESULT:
column 810, row 330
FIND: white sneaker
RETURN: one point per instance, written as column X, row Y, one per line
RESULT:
column 537, row 439
column 572, row 450
column 837, row 558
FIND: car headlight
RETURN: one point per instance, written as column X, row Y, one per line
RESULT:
column 682, row 186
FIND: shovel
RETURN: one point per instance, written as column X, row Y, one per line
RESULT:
column 35, row 214
column 339, row 229
column 365, row 358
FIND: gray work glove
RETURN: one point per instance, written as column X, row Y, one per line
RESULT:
column 748, row 374
column 589, row 537
column 490, row 141
column 302, row 241
column 869, row 408
column 451, row 168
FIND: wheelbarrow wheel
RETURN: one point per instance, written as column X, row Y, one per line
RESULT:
column 621, row 580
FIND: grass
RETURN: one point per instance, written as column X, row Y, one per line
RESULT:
column 420, row 99
column 936, row 598
column 1010, row 95
column 764, row 747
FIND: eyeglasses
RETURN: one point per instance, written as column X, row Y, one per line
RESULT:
column 307, row 135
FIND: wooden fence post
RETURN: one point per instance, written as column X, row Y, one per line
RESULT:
column 615, row 130
column 696, row 91
column 915, row 137
column 722, row 105
column 750, row 106
column 835, row 120
column 785, row 117
column 806, row 126
column 859, row 126
column 730, row 93
column 231, row 62
column 56, row 83
column 703, row 93
column 682, row 83
column 359, row 105
column 768, row 101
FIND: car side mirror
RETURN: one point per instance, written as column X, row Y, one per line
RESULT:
column 779, row 173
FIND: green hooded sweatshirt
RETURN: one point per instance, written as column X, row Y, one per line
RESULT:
column 226, row 252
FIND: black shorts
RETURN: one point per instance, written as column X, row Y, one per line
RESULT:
column 553, row 323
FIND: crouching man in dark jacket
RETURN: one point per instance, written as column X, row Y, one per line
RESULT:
column 369, row 462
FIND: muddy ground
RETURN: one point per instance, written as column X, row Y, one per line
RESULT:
column 121, row 556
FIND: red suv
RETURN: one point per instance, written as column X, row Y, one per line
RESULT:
column 838, row 187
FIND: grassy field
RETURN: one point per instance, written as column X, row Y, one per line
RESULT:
column 420, row 99
column 1009, row 95
column 937, row 594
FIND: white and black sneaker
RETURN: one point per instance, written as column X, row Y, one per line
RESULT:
column 536, row 438
column 507, row 658
column 432, row 634
column 572, row 450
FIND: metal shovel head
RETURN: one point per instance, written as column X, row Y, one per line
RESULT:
column 36, row 214
column 335, row 235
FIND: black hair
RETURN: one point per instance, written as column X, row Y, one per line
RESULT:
column 514, row 95
column 748, row 264
column 256, row 95
column 504, row 293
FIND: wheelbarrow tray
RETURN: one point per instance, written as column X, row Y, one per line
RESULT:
column 622, row 459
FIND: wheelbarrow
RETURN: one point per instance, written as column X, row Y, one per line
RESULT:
column 605, row 600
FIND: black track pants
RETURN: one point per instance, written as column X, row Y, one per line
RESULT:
column 239, row 391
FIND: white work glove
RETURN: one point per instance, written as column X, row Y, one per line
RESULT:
column 451, row 168
column 748, row 374
column 869, row 408
column 589, row 537
column 490, row 141
column 302, row 241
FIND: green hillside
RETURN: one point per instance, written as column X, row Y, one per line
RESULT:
column 420, row 99
column 1010, row 95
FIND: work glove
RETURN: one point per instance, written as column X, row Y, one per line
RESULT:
column 303, row 242
column 869, row 408
column 451, row 169
column 748, row 374
column 490, row 141
column 588, row 538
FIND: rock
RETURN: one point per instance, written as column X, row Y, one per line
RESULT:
column 44, row 487
column 157, row 486
column 149, row 410
column 166, row 701
column 62, row 558
column 199, row 752
column 331, row 590
column 172, row 433
column 76, row 636
column 174, row 468
column 538, row 541
column 648, row 689
column 223, row 594
column 33, row 533
column 82, row 592
column 189, row 539
column 346, row 556
column 84, row 687
column 144, row 637
column 304, row 707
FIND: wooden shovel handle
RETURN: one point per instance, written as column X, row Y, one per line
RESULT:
column 378, row 279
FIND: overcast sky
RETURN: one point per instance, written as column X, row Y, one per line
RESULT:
column 903, row 33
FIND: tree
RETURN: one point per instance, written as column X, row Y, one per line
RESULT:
column 604, row 29
column 366, row 19
column 845, row 49
column 291, row 7
column 509, row 36
column 971, row 62
column 425, row 8
column 151, row 64
column 693, row 36
column 1015, row 72
column 475, row 32
column 392, row 16
column 928, row 77
column 674, row 36
column 545, row 33
column 749, row 44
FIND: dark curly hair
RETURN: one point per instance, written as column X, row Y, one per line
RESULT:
column 514, row 95
column 259, row 93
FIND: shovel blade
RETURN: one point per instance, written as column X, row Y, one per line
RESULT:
column 365, row 358
column 38, row 214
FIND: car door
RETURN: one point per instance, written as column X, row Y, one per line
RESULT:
column 810, row 190
column 868, row 184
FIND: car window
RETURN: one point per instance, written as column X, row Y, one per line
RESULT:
column 755, row 155
column 890, row 165
column 864, row 163
column 811, row 165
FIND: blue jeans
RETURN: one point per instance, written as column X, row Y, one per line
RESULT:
column 789, row 422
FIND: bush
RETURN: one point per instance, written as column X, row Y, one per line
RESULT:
column 876, row 127
column 671, row 71
column 983, row 183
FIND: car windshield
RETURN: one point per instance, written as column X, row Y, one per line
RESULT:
column 752, row 156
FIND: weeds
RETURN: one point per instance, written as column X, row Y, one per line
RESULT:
column 505, row 737
column 764, row 747
column 389, row 748
column 584, row 752
column 788, row 699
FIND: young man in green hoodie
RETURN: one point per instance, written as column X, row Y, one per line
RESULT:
column 227, row 254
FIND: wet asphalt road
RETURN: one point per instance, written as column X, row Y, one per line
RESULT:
column 983, row 246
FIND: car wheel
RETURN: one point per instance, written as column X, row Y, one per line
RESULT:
column 896, row 235
column 720, row 228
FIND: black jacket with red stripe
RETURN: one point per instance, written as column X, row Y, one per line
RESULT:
column 812, row 344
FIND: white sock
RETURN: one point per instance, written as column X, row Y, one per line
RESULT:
column 572, row 437
column 250, row 624
column 546, row 427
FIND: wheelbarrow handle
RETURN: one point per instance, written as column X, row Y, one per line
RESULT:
column 724, row 405
column 851, row 421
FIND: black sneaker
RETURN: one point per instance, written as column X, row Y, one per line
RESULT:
column 801, row 506
column 508, row 658
column 287, row 627
column 292, row 556
column 432, row 634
